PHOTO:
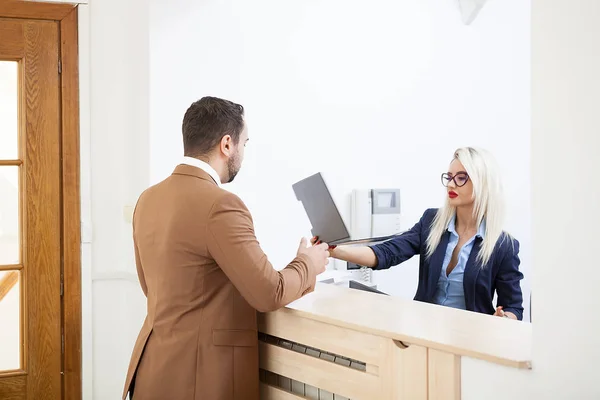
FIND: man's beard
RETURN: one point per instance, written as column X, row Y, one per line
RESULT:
column 233, row 168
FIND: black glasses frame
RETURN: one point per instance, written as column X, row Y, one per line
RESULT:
column 446, row 178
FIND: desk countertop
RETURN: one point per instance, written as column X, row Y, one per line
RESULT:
column 499, row 340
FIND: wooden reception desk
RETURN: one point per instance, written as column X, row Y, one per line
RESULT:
column 340, row 343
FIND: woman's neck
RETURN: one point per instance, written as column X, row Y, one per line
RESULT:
column 465, row 220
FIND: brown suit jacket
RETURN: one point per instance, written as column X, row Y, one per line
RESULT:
column 204, row 276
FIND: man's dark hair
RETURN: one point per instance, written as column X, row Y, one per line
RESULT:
column 205, row 123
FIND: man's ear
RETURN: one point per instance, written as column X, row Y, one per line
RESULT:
column 226, row 145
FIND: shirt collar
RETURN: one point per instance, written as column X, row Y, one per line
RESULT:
column 194, row 162
column 452, row 227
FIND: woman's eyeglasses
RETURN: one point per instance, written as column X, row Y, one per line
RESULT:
column 460, row 179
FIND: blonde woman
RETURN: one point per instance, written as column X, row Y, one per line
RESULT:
column 465, row 254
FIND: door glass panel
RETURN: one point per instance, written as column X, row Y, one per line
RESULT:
column 10, row 321
column 9, row 215
column 9, row 106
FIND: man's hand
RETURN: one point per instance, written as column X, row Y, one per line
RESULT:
column 317, row 254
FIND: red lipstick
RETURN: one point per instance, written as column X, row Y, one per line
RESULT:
column 452, row 194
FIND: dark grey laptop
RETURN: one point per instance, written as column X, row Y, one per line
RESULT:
column 324, row 216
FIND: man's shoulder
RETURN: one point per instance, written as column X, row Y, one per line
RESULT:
column 148, row 193
column 230, row 198
column 177, row 193
column 228, row 201
column 229, row 209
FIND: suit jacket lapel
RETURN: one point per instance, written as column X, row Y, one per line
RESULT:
column 435, row 266
column 472, row 270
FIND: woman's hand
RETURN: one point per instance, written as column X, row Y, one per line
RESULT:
column 500, row 313
column 358, row 255
column 315, row 241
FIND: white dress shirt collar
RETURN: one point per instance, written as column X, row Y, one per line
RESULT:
column 194, row 162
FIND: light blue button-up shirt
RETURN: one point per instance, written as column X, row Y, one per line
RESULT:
column 450, row 291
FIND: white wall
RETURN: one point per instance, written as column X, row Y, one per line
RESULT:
column 375, row 95
column 565, row 140
column 566, row 194
column 114, row 67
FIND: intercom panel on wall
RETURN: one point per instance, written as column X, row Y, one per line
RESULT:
column 375, row 212
column 360, row 220
column 386, row 212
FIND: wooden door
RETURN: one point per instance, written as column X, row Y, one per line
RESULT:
column 32, row 238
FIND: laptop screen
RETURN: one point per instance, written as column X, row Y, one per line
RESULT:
column 324, row 216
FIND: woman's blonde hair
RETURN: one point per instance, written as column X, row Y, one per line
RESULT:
column 488, row 205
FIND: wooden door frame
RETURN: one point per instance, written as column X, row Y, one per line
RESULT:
column 66, row 16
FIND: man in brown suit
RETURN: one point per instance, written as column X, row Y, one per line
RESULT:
column 203, row 271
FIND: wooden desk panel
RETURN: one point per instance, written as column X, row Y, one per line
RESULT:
column 338, row 343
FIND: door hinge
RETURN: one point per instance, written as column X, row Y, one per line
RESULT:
column 62, row 285
column 62, row 343
column 59, row 66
